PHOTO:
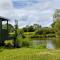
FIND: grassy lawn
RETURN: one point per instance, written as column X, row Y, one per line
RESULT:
column 29, row 54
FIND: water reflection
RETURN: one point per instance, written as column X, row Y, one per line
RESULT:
column 56, row 42
column 50, row 43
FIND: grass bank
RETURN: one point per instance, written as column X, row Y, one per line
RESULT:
column 33, row 35
column 29, row 54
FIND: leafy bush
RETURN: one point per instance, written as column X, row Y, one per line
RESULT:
column 22, row 42
column 20, row 33
column 39, row 32
column 40, row 46
column 9, row 45
column 17, row 43
column 43, row 31
column 26, row 42
column 28, row 29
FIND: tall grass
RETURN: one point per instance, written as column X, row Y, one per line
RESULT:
column 29, row 54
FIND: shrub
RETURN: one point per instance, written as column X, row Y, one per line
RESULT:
column 41, row 46
column 9, row 45
column 25, row 42
column 22, row 42
column 39, row 32
column 17, row 43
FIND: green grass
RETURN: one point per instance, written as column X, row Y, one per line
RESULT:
column 29, row 34
column 32, row 34
column 29, row 54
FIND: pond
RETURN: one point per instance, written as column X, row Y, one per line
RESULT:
column 50, row 43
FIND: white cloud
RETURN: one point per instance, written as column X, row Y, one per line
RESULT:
column 6, row 8
column 36, row 11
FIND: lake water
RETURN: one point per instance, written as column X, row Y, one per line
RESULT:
column 50, row 43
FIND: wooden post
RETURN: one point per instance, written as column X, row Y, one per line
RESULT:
column 7, row 28
column 0, row 29
column 16, row 27
column 15, row 37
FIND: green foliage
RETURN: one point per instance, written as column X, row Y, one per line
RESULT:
column 44, row 31
column 20, row 33
column 39, row 32
column 57, row 27
column 32, row 28
column 18, row 42
column 36, row 26
column 9, row 44
column 25, row 42
column 40, row 46
column 52, row 25
column 56, row 23
column 56, row 14
column 10, row 27
column 28, row 29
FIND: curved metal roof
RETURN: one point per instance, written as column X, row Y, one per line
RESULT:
column 3, row 18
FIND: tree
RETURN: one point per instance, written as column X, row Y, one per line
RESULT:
column 28, row 28
column 57, row 27
column 56, row 22
column 56, row 15
column 52, row 25
column 45, row 30
column 32, row 28
column 36, row 26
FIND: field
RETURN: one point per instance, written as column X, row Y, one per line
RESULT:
column 29, row 54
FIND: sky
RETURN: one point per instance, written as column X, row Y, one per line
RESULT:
column 29, row 12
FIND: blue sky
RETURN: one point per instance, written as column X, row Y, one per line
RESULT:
column 29, row 12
